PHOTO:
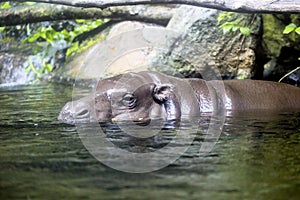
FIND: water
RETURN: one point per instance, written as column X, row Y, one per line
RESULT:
column 256, row 157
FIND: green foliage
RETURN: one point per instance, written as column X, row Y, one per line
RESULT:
column 5, row 5
column 53, row 40
column 291, row 28
column 49, row 38
column 83, row 26
column 245, row 30
column 47, row 68
column 49, row 34
column 231, row 26
column 224, row 16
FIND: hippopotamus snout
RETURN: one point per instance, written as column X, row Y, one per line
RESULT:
column 74, row 112
column 92, row 108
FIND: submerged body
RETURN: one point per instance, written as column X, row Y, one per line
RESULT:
column 143, row 96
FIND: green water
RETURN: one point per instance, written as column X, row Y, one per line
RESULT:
column 256, row 157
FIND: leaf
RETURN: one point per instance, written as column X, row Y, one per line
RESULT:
column 289, row 28
column 80, row 20
column 221, row 17
column 98, row 22
column 48, row 67
column 225, row 24
column 297, row 30
column 28, row 3
column 234, row 28
column 229, row 14
column 5, row 5
column 74, row 47
column 227, row 28
column 245, row 31
column 33, row 38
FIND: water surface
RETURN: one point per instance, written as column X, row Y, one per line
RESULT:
column 256, row 157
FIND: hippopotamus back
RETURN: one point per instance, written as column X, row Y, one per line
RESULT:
column 148, row 95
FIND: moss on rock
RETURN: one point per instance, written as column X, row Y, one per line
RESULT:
column 273, row 39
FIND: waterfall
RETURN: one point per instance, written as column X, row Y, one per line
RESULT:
column 12, row 70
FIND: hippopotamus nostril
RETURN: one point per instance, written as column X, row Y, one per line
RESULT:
column 83, row 113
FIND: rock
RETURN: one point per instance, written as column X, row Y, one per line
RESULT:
column 273, row 39
column 100, row 60
column 130, row 61
column 194, row 44
column 203, row 43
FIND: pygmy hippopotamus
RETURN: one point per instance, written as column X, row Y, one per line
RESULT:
column 143, row 96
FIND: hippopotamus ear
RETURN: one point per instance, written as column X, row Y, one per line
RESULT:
column 161, row 93
column 164, row 94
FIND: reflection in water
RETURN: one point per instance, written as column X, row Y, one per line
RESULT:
column 257, row 157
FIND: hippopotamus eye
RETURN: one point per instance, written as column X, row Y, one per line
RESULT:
column 129, row 100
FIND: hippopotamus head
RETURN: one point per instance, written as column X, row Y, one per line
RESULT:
column 130, row 97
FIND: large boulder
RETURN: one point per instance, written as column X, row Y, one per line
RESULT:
column 202, row 42
column 191, row 37
column 100, row 57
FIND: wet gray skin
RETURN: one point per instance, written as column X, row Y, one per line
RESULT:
column 143, row 96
